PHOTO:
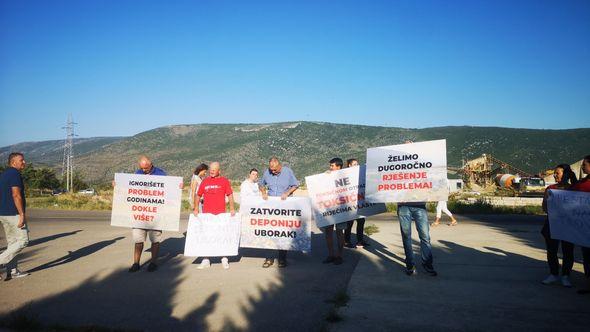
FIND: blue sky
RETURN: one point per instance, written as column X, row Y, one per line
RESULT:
column 122, row 67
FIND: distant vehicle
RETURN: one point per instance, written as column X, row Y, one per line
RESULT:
column 57, row 192
column 522, row 186
column 89, row 191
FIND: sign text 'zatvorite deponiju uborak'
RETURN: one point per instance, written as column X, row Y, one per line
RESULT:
column 146, row 201
column 569, row 216
column 210, row 235
column 413, row 172
column 276, row 223
column 339, row 196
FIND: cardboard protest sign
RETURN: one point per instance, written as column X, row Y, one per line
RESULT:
column 146, row 201
column 276, row 223
column 569, row 216
column 415, row 172
column 339, row 196
column 210, row 235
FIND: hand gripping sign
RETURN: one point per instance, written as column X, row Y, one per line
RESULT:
column 569, row 216
column 146, row 201
column 276, row 223
column 415, row 172
column 210, row 235
column 339, row 196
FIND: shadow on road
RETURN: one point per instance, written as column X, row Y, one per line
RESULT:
column 77, row 254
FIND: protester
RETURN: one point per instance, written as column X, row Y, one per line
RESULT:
column 12, row 214
column 564, row 177
column 139, row 234
column 198, row 176
column 250, row 188
column 360, row 223
column 336, row 258
column 584, row 185
column 406, row 212
column 213, row 190
column 441, row 207
column 277, row 181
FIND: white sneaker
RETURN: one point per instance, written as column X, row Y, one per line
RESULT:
column 225, row 263
column 16, row 273
column 550, row 279
column 205, row 264
column 565, row 281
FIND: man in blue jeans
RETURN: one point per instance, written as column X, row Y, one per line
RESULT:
column 416, row 211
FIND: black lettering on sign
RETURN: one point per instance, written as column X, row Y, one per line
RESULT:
column 342, row 182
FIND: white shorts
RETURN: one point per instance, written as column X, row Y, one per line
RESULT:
column 139, row 235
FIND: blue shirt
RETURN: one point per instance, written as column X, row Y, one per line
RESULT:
column 10, row 178
column 154, row 171
column 280, row 183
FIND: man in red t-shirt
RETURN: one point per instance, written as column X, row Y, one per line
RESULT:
column 584, row 185
column 213, row 190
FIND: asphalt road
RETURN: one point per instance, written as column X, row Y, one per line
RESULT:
column 490, row 268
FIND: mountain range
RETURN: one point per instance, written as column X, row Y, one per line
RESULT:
column 305, row 146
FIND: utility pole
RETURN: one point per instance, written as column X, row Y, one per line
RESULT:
column 68, row 161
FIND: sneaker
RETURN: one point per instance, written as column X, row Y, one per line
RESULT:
column 152, row 267
column 550, row 280
column 349, row 245
column 411, row 271
column 15, row 273
column 225, row 263
column 565, row 281
column 430, row 270
column 362, row 244
column 337, row 260
column 134, row 267
column 328, row 260
column 205, row 264
column 282, row 263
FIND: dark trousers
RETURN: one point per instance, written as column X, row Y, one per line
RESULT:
column 282, row 255
column 567, row 251
column 586, row 258
column 360, row 229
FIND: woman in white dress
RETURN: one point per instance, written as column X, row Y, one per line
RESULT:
column 198, row 175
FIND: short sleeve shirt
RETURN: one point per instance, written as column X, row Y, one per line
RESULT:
column 11, row 177
column 277, row 184
column 213, row 191
column 154, row 171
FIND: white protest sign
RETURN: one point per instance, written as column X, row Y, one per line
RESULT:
column 569, row 216
column 276, row 223
column 146, row 201
column 339, row 196
column 210, row 235
column 414, row 172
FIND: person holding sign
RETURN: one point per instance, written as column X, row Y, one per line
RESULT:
column 406, row 212
column 249, row 188
column 564, row 176
column 213, row 191
column 139, row 235
column 360, row 222
column 277, row 181
column 335, row 164
column 584, row 185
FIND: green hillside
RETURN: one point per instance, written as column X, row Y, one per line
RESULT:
column 307, row 146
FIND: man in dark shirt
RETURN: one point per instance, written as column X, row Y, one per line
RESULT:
column 12, row 214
